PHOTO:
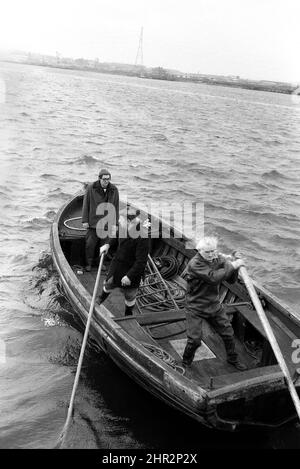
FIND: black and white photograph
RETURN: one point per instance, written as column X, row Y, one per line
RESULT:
column 150, row 240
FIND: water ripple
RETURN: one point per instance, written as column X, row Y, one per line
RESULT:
column 233, row 150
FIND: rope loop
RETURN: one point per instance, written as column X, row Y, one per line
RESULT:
column 164, row 356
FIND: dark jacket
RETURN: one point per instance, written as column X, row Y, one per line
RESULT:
column 203, row 282
column 94, row 196
column 130, row 259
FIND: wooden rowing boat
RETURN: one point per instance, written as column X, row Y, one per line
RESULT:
column 148, row 345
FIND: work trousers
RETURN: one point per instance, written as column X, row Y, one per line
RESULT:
column 129, row 292
column 220, row 323
column 91, row 242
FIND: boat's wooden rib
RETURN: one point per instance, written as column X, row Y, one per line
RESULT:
column 148, row 345
column 223, row 292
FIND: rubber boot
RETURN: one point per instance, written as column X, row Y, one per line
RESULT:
column 189, row 353
column 232, row 356
column 128, row 310
column 103, row 297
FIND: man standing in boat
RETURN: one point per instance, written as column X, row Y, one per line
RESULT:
column 205, row 273
column 99, row 194
column 128, row 264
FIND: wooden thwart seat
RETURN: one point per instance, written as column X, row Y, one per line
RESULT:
column 145, row 319
column 175, row 315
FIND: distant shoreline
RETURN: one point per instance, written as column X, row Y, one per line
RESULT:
column 159, row 73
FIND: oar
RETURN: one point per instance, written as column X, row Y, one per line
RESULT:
column 162, row 280
column 271, row 337
column 86, row 333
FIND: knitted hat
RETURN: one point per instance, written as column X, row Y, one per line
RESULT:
column 104, row 172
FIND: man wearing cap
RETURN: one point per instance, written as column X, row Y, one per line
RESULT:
column 101, row 196
column 129, row 262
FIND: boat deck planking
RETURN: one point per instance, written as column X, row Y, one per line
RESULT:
column 212, row 366
column 200, row 369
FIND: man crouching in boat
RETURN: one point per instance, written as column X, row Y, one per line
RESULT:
column 205, row 273
column 128, row 264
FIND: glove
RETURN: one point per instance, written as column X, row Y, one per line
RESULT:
column 104, row 249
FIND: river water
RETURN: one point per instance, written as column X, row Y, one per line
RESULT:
column 237, row 151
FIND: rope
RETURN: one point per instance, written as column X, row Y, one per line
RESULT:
column 149, row 294
column 164, row 356
column 153, row 294
column 167, row 266
column 73, row 227
column 162, row 280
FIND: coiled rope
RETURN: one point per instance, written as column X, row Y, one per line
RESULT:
column 164, row 356
column 154, row 296
column 73, row 227
column 167, row 266
column 152, row 292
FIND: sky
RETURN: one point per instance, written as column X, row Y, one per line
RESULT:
column 256, row 39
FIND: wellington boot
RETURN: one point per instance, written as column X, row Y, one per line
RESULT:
column 237, row 364
column 128, row 310
column 189, row 354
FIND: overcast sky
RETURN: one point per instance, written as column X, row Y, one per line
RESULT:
column 251, row 38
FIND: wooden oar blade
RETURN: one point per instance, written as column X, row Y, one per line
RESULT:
column 62, row 436
column 271, row 337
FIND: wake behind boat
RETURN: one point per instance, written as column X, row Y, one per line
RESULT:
column 148, row 346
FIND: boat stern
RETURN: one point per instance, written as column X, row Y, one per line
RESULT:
column 262, row 401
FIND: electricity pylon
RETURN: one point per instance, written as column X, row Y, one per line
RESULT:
column 139, row 55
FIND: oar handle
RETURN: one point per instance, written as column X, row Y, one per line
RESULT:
column 270, row 335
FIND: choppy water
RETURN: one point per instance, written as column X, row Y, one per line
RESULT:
column 236, row 150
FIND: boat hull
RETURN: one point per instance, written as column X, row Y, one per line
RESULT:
column 204, row 404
